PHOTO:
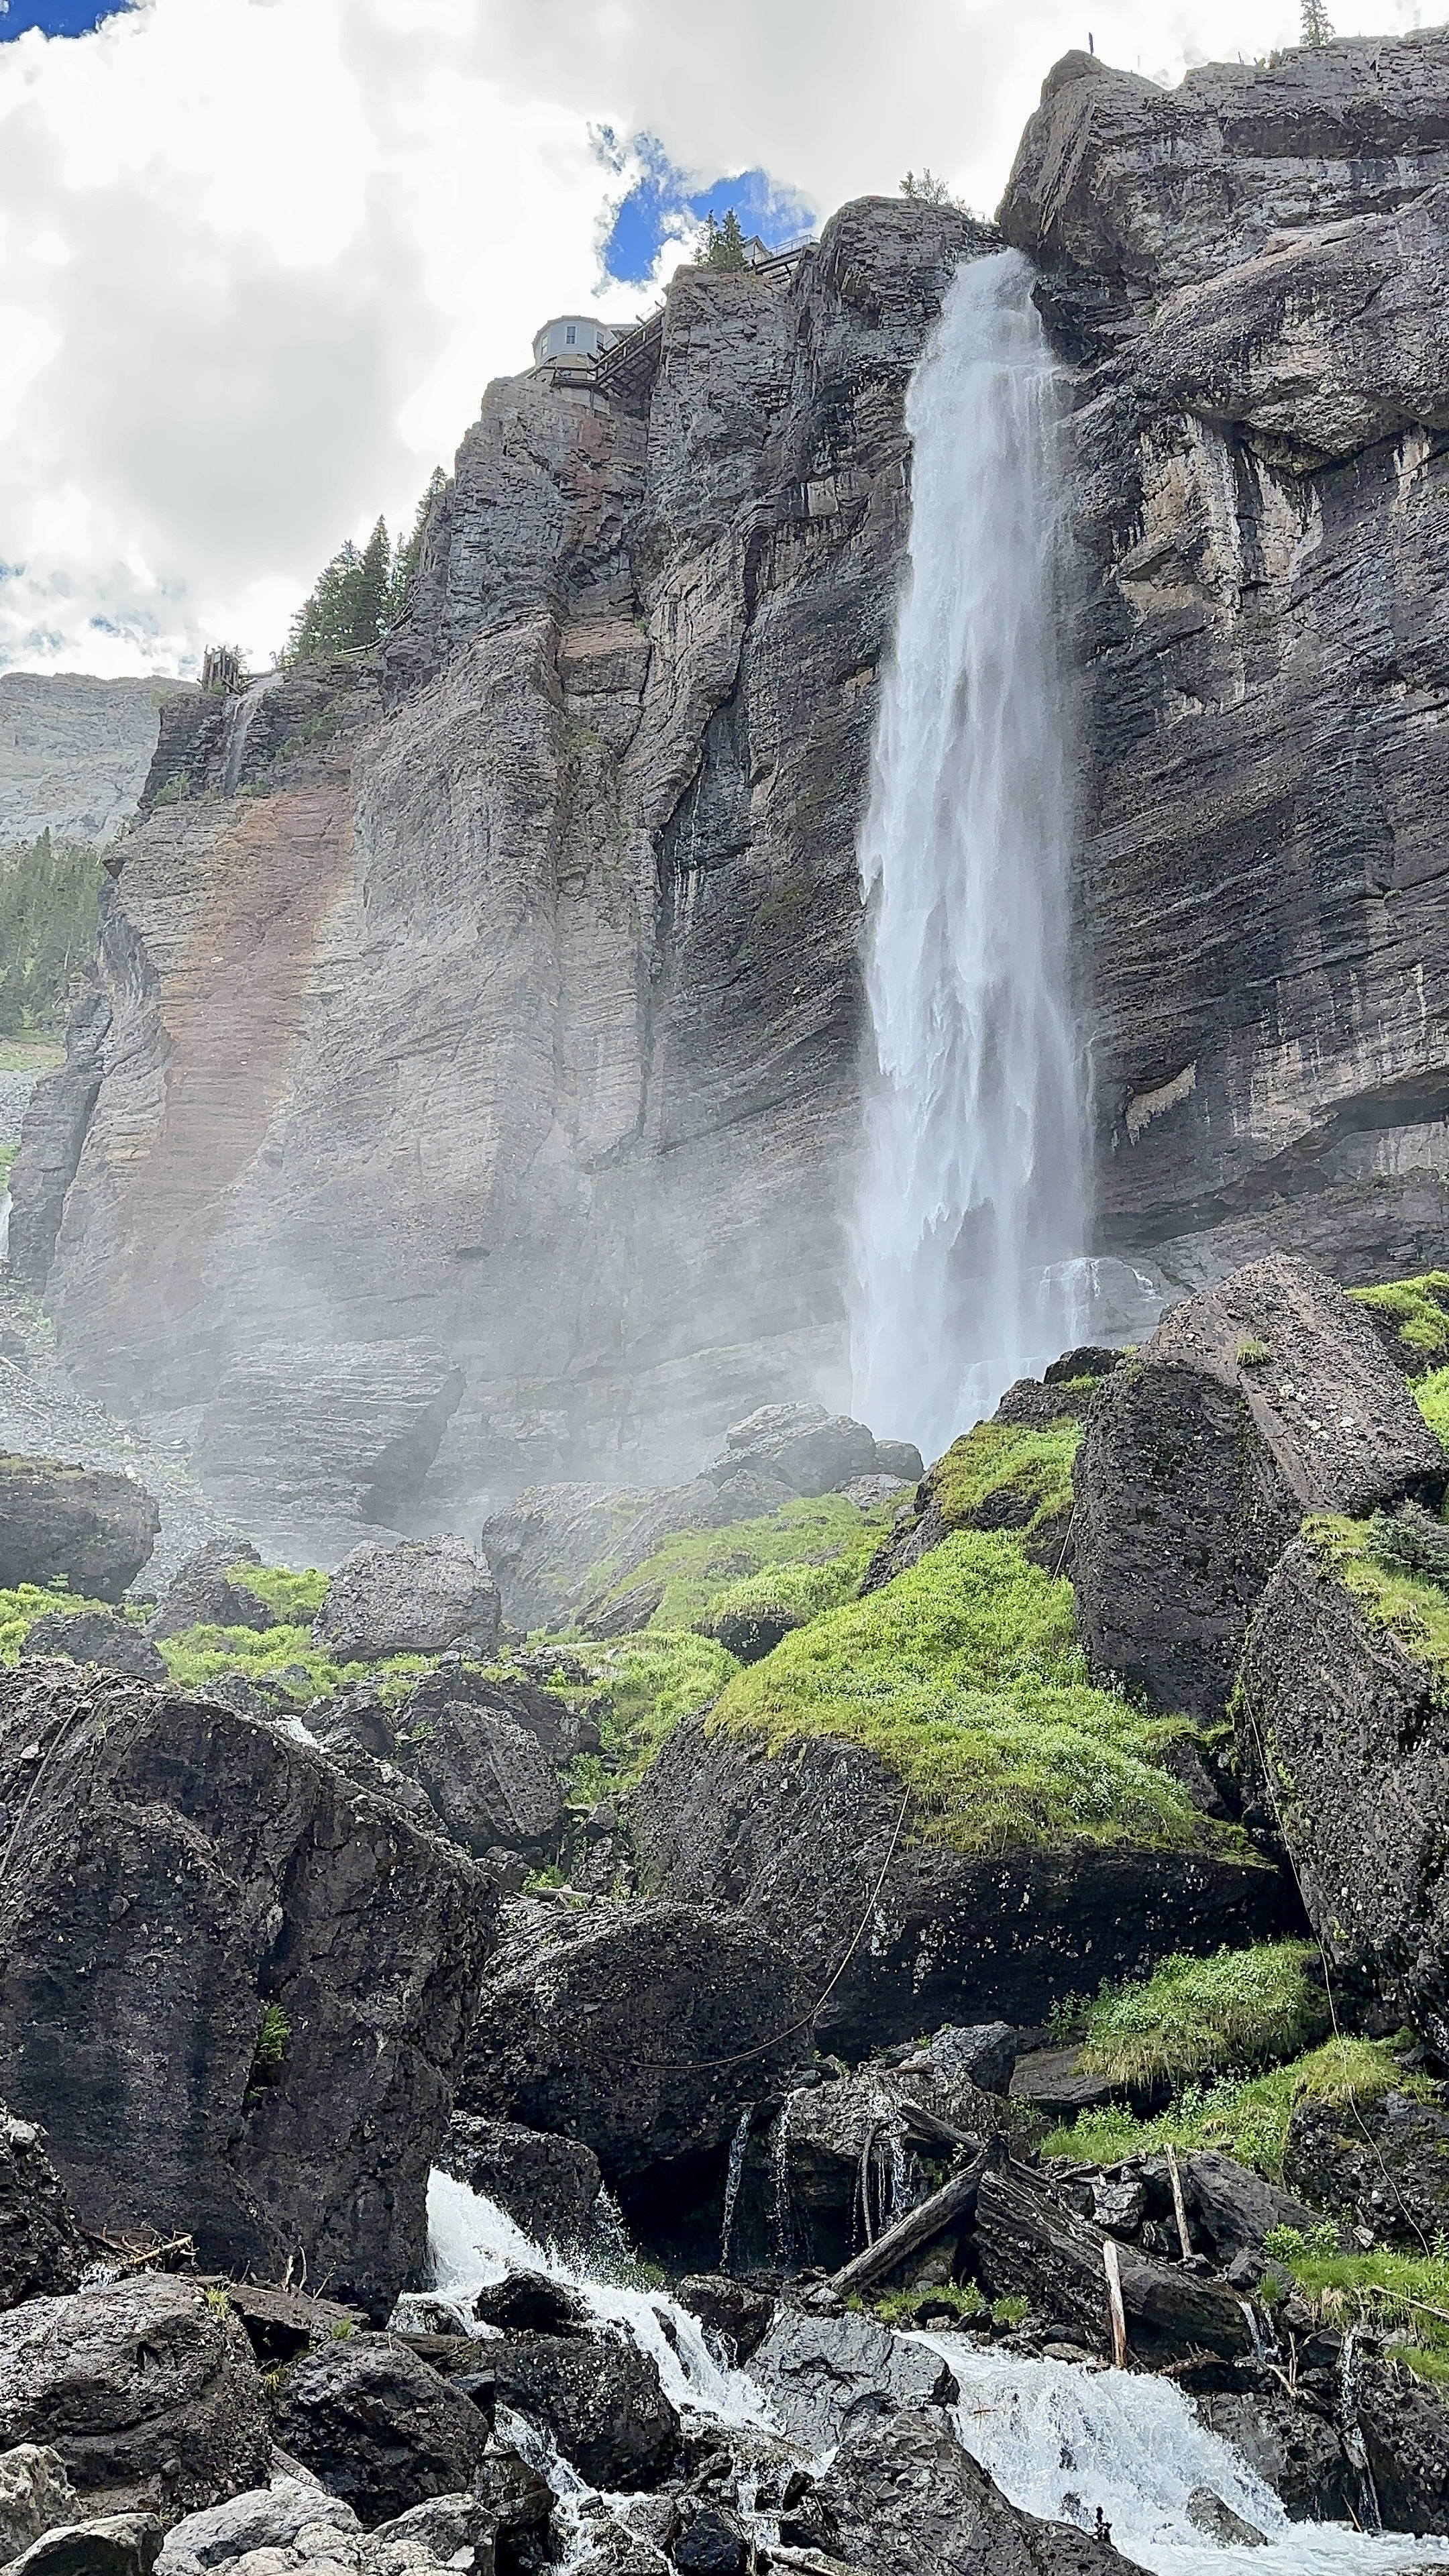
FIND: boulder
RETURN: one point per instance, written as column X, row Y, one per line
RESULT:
column 815, row 2369
column 601, row 2400
column 1231, row 2210
column 801, row 1447
column 1290, row 2438
column 731, row 2313
column 1341, row 1742
column 714, row 2543
column 562, row 1731
column 1404, row 2427
column 35, row 2496
column 809, row 1842
column 146, row 2388
column 548, row 2185
column 454, row 2531
column 980, row 2054
column 418, row 1598
column 378, row 2427
column 293, row 2519
column 546, row 1544
column 1383, row 2165
column 100, row 1637
column 901, row 2496
column 641, row 2030
column 41, row 2247
column 114, row 2544
column 202, row 1593
column 531, row 2303
column 1258, row 1401
column 236, row 1988
column 73, row 1525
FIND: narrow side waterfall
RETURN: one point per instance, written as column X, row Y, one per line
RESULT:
column 971, row 1208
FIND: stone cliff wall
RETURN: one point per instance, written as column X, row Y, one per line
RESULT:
column 73, row 753
column 478, row 1041
column 1249, row 274
column 495, row 1041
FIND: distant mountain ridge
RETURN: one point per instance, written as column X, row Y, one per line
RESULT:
column 74, row 752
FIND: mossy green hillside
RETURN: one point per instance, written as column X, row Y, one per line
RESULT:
column 965, row 1676
column 284, row 1654
column 1245, row 2117
column 1418, row 1310
column 825, row 1536
column 289, row 1596
column 1192, row 2017
column 1431, row 1394
column 1405, row 2296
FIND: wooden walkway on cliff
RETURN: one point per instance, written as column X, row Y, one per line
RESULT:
column 627, row 371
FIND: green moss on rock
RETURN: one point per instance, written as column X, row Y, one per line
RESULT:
column 1417, row 1310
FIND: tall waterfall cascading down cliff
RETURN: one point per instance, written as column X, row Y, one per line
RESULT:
column 971, row 1206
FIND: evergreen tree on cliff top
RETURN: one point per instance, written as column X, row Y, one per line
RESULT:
column 1317, row 29
column 724, row 244
column 360, row 595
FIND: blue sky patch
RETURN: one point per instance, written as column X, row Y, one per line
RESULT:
column 55, row 17
column 663, row 205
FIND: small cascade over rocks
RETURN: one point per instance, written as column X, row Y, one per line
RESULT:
column 971, row 1207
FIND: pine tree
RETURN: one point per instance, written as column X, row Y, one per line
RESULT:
column 928, row 190
column 724, row 244
column 369, row 601
column 409, row 553
column 1317, row 28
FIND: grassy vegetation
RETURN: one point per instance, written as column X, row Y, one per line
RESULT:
column 1001, row 1476
column 1431, row 1394
column 1419, row 1311
column 696, row 1567
column 966, row 1677
column 1242, row 2008
column 27, row 1602
column 783, row 1597
column 1245, row 2117
column 30, row 1055
column 293, row 1597
column 1412, row 1606
column 286, row 1654
column 1399, row 2294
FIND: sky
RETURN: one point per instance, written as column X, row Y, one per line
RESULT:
column 258, row 258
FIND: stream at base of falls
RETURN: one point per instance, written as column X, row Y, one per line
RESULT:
column 1062, row 2441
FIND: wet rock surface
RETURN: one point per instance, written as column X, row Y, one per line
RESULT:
column 902, row 2495
column 97, row 1637
column 146, row 2390
column 421, row 1598
column 601, row 2399
column 1382, row 2164
column 378, row 2427
column 817, row 2369
column 548, row 2185
column 638, row 2030
column 1254, row 1403
column 152, row 1826
column 41, row 2247
column 203, row 1593
column 74, row 1525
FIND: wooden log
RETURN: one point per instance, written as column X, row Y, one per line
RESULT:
column 1175, row 2178
column 931, row 2129
column 1115, row 2310
column 955, row 2200
column 1027, row 2244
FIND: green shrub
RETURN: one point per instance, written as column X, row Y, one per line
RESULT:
column 273, row 2033
column 27, row 1602
column 966, row 1678
column 1243, row 2008
column 1402, row 2294
column 203, row 1655
column 1253, row 1354
column 903, row 2307
column 1418, row 1309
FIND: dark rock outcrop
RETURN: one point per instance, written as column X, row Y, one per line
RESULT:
column 115, row 2544
column 41, row 2247
column 202, row 1592
column 379, row 2428
column 901, row 2495
column 420, row 1598
column 640, row 2030
column 1342, row 1737
column 1291, row 2437
column 100, row 1637
column 236, row 1988
column 732, row 2314
column 548, row 2185
column 1261, row 1400
column 74, row 1525
column 800, row 1839
column 1404, row 2427
column 816, row 2369
column 601, row 2400
column 146, row 2389
column 1383, row 2165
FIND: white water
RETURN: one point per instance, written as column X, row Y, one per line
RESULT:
column 1065, row 2442
column 1061, row 2441
column 971, row 1208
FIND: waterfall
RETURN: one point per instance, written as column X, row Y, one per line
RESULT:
column 971, row 1211
column 733, row 2178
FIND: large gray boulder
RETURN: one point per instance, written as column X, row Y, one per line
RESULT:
column 41, row 2247
column 801, row 1447
column 640, row 2030
column 378, row 2427
column 75, row 1525
column 1261, row 1400
column 465, row 1766
column 901, row 2497
column 295, row 2524
column 147, row 2389
column 100, row 1637
column 203, row 1592
column 814, row 2369
column 236, row 1987
column 1341, row 1740
column 600, row 2398
column 35, row 2496
column 810, row 1842
column 548, row 2185
column 420, row 1597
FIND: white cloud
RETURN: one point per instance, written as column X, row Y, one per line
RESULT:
column 259, row 257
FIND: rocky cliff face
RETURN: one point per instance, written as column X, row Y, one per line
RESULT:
column 73, row 753
column 483, row 1026
column 1248, row 275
